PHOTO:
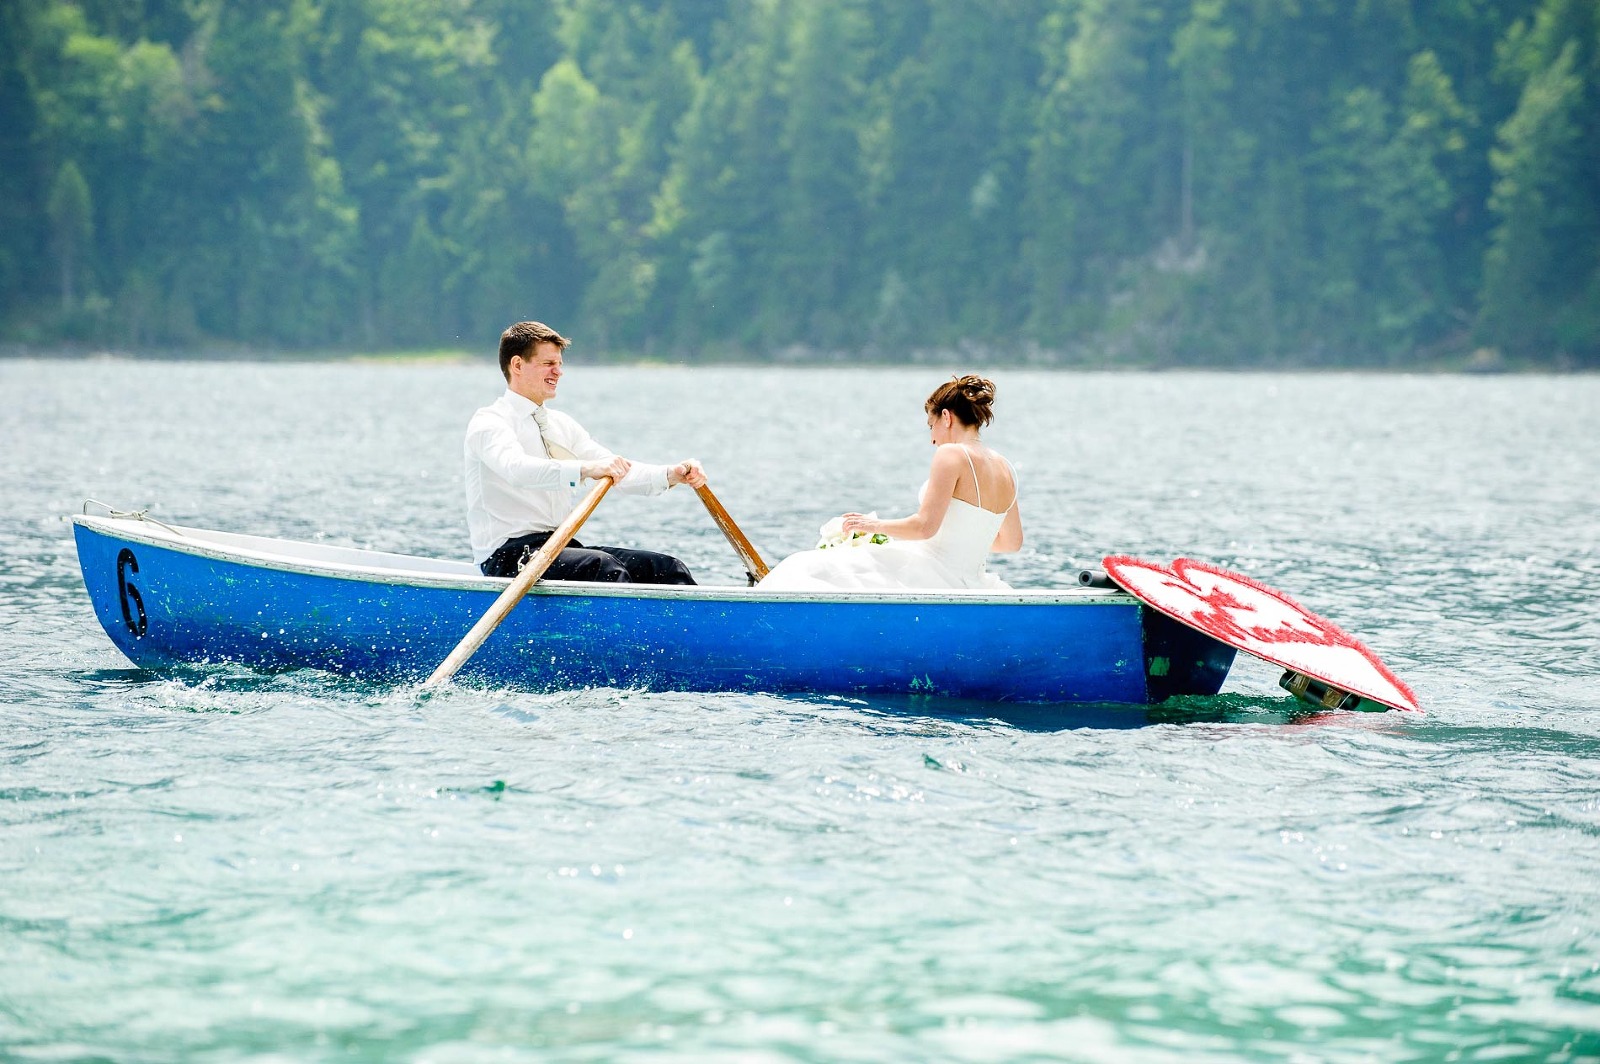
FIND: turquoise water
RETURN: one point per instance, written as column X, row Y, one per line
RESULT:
column 239, row 866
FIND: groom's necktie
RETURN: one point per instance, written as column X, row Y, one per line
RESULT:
column 541, row 418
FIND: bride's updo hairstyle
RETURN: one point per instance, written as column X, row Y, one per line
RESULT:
column 969, row 399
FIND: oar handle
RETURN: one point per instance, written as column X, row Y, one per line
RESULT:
column 736, row 538
column 519, row 586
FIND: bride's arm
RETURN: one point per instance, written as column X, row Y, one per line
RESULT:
column 1009, row 538
column 947, row 466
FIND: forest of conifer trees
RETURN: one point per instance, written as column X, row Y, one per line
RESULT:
column 1142, row 182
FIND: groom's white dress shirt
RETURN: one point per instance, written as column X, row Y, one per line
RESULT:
column 514, row 487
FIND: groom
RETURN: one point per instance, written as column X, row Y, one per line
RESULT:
column 524, row 464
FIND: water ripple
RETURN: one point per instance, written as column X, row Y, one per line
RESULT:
column 222, row 864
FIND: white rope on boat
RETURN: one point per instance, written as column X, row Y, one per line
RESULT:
column 137, row 515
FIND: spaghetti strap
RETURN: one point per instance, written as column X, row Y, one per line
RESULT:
column 976, row 490
column 1016, row 485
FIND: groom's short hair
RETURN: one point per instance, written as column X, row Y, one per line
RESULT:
column 521, row 338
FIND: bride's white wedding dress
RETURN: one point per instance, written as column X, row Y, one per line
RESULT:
column 953, row 557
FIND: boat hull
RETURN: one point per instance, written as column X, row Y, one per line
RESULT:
column 166, row 602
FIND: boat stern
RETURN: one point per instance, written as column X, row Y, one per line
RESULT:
column 1178, row 660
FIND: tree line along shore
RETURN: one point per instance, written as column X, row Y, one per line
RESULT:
column 1139, row 182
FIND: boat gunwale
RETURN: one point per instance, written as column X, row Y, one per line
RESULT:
column 177, row 537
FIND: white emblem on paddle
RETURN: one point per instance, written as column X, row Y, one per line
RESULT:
column 1258, row 620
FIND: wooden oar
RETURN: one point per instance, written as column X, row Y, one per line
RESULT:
column 736, row 538
column 518, row 587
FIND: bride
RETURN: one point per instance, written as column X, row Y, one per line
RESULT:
column 968, row 508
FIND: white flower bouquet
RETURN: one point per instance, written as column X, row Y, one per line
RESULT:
column 834, row 535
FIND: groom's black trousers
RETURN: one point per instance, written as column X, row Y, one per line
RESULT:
column 577, row 562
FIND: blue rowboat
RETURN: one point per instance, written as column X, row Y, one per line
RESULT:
column 171, row 596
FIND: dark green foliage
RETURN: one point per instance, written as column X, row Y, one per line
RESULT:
column 1542, row 273
column 1161, row 182
column 71, row 223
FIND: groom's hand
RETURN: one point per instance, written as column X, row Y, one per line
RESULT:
column 688, row 472
column 616, row 467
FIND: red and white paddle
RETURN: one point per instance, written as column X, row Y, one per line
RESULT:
column 1326, row 666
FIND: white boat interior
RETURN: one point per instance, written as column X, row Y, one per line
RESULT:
column 376, row 566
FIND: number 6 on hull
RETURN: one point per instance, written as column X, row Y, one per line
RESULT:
column 127, row 563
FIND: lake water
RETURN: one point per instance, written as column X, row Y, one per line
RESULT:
column 304, row 867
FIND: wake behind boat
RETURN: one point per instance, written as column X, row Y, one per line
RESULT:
column 172, row 596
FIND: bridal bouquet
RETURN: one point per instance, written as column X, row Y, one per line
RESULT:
column 833, row 535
